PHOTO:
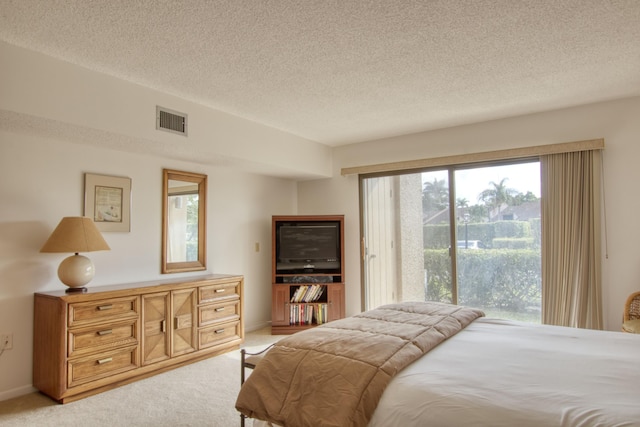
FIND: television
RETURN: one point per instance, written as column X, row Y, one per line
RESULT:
column 308, row 246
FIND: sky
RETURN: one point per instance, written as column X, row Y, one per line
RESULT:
column 471, row 182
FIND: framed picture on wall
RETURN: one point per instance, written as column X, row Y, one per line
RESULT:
column 107, row 200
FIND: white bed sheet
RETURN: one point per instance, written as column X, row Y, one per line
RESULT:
column 501, row 373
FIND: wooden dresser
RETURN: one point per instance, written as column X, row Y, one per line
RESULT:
column 86, row 343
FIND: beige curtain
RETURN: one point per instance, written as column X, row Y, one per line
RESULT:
column 571, row 277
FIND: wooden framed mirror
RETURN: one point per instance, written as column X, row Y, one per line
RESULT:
column 184, row 221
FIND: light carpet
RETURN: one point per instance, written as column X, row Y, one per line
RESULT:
column 200, row 394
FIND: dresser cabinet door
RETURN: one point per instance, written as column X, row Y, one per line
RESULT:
column 183, row 305
column 155, row 336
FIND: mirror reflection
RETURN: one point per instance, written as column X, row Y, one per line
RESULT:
column 184, row 214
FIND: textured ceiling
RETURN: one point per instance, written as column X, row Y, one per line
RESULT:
column 345, row 71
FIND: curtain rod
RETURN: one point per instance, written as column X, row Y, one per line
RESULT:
column 510, row 153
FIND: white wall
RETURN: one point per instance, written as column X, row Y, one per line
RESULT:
column 616, row 121
column 100, row 110
column 41, row 180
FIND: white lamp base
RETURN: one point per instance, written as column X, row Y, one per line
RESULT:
column 75, row 272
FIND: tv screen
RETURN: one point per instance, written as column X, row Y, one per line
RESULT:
column 308, row 247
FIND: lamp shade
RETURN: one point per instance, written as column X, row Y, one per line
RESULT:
column 75, row 234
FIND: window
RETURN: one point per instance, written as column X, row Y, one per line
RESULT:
column 491, row 212
column 571, row 208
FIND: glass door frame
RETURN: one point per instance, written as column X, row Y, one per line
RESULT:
column 453, row 225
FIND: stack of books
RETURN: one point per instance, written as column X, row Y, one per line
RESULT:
column 308, row 314
column 307, row 293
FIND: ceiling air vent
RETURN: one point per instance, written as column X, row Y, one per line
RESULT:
column 171, row 121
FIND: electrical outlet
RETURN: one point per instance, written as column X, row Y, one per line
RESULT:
column 6, row 341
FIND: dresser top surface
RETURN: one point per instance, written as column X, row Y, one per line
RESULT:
column 182, row 281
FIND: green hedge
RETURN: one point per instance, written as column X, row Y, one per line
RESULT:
column 497, row 278
column 513, row 243
column 436, row 236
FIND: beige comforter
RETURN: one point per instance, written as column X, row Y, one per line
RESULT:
column 334, row 375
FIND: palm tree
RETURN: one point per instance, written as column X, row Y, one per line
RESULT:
column 435, row 196
column 497, row 196
column 462, row 207
column 462, row 203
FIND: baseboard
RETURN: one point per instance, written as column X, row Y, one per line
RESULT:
column 257, row 326
column 16, row 392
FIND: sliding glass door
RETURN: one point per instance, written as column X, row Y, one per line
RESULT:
column 394, row 210
column 463, row 235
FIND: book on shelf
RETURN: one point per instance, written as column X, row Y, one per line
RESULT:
column 307, row 314
column 307, row 293
column 301, row 314
column 321, row 315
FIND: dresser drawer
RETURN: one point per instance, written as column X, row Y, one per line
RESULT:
column 91, row 368
column 217, row 292
column 218, row 334
column 215, row 313
column 106, row 337
column 104, row 310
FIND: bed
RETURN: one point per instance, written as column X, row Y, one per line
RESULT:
column 430, row 364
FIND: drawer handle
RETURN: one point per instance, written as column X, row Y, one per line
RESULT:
column 220, row 331
column 105, row 332
column 106, row 360
column 219, row 309
column 220, row 290
column 105, row 307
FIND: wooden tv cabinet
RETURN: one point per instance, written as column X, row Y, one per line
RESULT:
column 86, row 343
column 287, row 311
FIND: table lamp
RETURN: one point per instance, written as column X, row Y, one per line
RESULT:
column 76, row 234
